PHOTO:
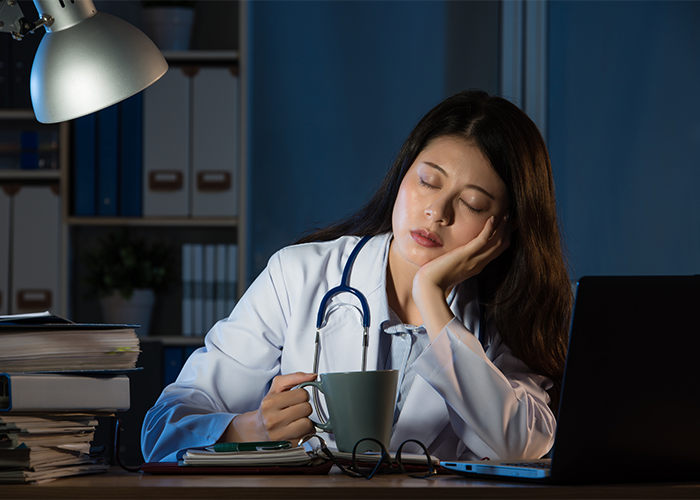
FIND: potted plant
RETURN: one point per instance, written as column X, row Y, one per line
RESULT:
column 125, row 273
column 169, row 22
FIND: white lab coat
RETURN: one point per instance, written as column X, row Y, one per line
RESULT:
column 466, row 402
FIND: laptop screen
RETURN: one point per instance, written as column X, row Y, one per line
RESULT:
column 630, row 403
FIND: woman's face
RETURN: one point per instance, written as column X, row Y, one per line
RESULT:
column 444, row 201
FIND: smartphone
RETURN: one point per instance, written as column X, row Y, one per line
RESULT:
column 253, row 446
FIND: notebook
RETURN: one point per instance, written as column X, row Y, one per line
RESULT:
column 630, row 399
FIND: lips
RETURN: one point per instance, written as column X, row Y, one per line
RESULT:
column 425, row 238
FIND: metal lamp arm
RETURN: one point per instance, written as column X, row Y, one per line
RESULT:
column 12, row 20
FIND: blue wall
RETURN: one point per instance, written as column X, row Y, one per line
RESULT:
column 624, row 134
column 334, row 89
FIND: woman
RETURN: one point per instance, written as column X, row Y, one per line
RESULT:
column 468, row 292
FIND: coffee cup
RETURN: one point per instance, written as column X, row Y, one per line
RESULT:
column 360, row 406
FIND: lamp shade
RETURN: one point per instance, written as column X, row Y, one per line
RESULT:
column 91, row 65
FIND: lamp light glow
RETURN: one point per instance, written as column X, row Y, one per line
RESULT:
column 88, row 60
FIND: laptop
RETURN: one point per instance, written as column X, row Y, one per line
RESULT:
column 630, row 399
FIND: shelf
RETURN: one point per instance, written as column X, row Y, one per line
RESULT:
column 17, row 114
column 30, row 175
column 174, row 340
column 201, row 56
column 153, row 221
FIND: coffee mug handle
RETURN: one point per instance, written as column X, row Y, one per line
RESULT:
column 326, row 426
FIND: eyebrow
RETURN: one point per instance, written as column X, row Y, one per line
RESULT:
column 468, row 186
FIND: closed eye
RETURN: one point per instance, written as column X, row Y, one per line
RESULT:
column 470, row 208
column 425, row 184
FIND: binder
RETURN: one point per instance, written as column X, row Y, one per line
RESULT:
column 232, row 277
column 107, row 161
column 130, row 160
column 187, row 291
column 26, row 392
column 166, row 153
column 35, row 252
column 85, row 170
column 214, row 148
column 209, row 283
column 220, row 311
column 199, row 327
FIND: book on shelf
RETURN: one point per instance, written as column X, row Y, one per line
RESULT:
column 209, row 282
column 44, row 342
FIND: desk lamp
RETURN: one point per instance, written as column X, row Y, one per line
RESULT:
column 86, row 61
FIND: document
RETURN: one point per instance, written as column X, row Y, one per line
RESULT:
column 44, row 342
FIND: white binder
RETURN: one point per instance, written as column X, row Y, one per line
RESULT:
column 166, row 152
column 214, row 146
column 187, row 290
column 35, row 249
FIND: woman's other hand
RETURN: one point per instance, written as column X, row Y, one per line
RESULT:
column 434, row 279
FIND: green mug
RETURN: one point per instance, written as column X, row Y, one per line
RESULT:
column 360, row 405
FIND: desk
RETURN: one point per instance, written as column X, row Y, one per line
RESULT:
column 122, row 485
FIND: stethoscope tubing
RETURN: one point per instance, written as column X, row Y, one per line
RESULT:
column 345, row 287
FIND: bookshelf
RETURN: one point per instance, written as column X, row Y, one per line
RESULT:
column 176, row 230
column 77, row 233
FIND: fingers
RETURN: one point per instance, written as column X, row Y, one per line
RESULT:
column 283, row 383
column 284, row 411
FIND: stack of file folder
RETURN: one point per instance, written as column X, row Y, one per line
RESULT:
column 56, row 378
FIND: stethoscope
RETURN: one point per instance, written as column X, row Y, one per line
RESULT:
column 345, row 287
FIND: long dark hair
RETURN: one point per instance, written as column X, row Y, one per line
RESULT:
column 527, row 288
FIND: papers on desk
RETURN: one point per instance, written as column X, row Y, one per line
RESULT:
column 47, row 420
column 296, row 456
column 39, row 448
column 208, row 457
column 49, row 474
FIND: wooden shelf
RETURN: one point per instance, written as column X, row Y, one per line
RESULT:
column 30, row 175
column 17, row 114
column 154, row 221
column 201, row 56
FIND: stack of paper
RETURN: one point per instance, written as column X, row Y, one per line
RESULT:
column 55, row 378
column 42, row 342
column 41, row 448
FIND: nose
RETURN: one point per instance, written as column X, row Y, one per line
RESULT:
column 438, row 212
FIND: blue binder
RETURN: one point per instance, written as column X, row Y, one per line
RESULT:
column 107, row 161
column 131, row 160
column 85, row 173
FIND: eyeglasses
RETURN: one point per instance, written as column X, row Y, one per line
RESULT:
column 385, row 465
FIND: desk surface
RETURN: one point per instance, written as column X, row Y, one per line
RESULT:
column 122, row 485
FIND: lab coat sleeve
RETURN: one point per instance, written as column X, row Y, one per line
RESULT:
column 497, row 405
column 228, row 376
